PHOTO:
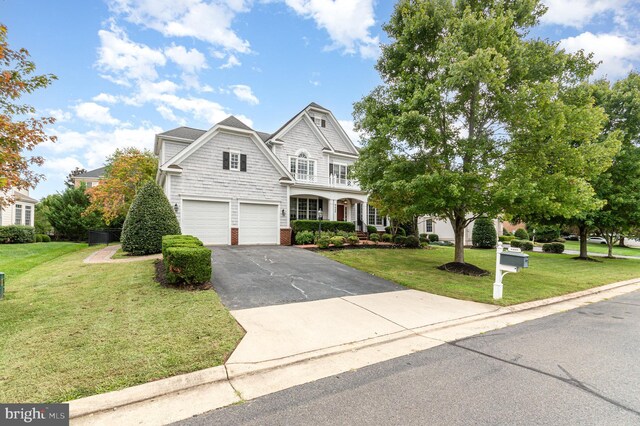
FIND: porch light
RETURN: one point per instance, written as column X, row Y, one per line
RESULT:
column 283, row 213
column 175, row 208
column 319, row 214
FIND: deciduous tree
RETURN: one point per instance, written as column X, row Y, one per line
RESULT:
column 126, row 171
column 489, row 119
column 20, row 130
column 75, row 172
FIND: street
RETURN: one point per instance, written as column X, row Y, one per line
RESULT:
column 577, row 367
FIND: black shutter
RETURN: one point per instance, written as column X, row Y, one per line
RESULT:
column 323, row 123
column 243, row 162
column 225, row 160
column 330, row 168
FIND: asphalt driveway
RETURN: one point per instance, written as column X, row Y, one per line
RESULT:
column 256, row 276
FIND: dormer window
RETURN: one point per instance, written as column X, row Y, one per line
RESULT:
column 320, row 122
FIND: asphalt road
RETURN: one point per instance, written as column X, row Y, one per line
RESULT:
column 578, row 367
column 255, row 276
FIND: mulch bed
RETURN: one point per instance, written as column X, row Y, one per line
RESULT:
column 464, row 269
column 161, row 278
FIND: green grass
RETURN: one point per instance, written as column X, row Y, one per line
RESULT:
column 16, row 259
column 548, row 275
column 71, row 330
column 121, row 255
column 602, row 248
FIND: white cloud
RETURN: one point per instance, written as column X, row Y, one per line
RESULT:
column 106, row 98
column 191, row 61
column 245, row 94
column 94, row 113
column 578, row 13
column 233, row 61
column 209, row 21
column 59, row 115
column 348, row 23
column 616, row 52
column 347, row 125
column 126, row 60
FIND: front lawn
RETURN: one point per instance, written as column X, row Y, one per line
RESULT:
column 16, row 259
column 548, row 275
column 602, row 248
column 71, row 330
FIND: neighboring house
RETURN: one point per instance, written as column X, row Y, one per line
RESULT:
column 234, row 185
column 442, row 227
column 90, row 178
column 21, row 212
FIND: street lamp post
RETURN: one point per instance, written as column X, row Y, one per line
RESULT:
column 319, row 222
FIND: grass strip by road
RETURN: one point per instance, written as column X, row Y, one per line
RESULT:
column 602, row 248
column 548, row 275
column 16, row 259
column 71, row 330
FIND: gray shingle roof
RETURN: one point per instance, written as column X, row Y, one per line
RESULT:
column 231, row 121
column 315, row 105
column 184, row 133
column 264, row 136
column 92, row 173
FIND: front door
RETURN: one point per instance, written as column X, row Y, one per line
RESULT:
column 340, row 212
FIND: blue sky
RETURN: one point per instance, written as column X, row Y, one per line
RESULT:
column 129, row 69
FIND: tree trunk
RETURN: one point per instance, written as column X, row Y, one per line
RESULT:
column 583, row 241
column 610, row 246
column 621, row 242
column 458, row 232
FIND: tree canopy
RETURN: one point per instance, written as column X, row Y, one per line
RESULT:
column 20, row 129
column 474, row 117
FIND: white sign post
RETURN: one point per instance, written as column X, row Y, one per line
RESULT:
column 502, row 270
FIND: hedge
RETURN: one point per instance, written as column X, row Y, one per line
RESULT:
column 506, row 238
column 186, row 261
column 412, row 242
column 46, row 238
column 433, row 238
column 522, row 244
column 387, row 238
column 484, row 233
column 38, row 238
column 372, row 229
column 179, row 241
column 17, row 234
column 327, row 225
column 553, row 248
column 150, row 217
column 521, row 234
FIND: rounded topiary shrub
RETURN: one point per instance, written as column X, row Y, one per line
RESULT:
column 149, row 218
column 553, row 248
column 387, row 238
column 337, row 241
column 412, row 242
column 46, row 238
column 484, row 233
column 433, row 238
column 353, row 240
column 525, row 245
column 323, row 242
column 372, row 229
column 521, row 234
column 374, row 237
column 400, row 240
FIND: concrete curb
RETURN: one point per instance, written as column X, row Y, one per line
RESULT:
column 256, row 379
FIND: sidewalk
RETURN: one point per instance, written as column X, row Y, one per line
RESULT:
column 577, row 252
column 105, row 255
column 288, row 345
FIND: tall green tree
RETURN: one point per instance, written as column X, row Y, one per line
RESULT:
column 66, row 213
column 474, row 117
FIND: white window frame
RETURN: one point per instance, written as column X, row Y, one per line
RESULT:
column 295, row 206
column 378, row 220
column 28, row 208
column 231, row 155
column 428, row 226
column 294, row 160
column 18, row 219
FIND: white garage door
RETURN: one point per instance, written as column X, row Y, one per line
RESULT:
column 258, row 224
column 207, row 220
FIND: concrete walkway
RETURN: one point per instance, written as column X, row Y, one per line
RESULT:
column 288, row 345
column 105, row 256
column 577, row 252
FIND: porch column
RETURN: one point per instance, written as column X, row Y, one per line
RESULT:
column 365, row 214
column 331, row 207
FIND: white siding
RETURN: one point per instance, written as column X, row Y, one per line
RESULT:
column 333, row 135
column 299, row 137
column 171, row 149
column 203, row 176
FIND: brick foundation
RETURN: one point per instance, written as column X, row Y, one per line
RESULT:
column 234, row 236
column 285, row 236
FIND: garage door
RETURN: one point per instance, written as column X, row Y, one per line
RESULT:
column 258, row 224
column 207, row 220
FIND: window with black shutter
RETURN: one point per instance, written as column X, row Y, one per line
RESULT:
column 243, row 162
column 225, row 160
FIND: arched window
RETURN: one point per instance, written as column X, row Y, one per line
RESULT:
column 302, row 167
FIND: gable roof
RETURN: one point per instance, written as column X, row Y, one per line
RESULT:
column 232, row 121
column 97, row 173
column 184, row 133
column 302, row 115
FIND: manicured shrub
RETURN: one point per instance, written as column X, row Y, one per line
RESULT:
column 353, row 240
column 484, row 234
column 374, row 237
column 337, row 241
column 441, row 243
column 323, row 242
column 188, row 265
column 387, row 238
column 412, row 242
column 424, row 238
column 553, row 248
column 46, row 238
column 372, row 229
column 433, row 238
column 150, row 217
column 400, row 240
column 38, row 238
column 521, row 234
column 179, row 241
column 546, row 234
column 522, row 244
column 399, row 231
column 343, row 234
column 17, row 234
column 325, row 225
column 506, row 238
column 304, row 237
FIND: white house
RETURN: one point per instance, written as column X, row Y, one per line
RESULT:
column 442, row 227
column 21, row 212
column 234, row 185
